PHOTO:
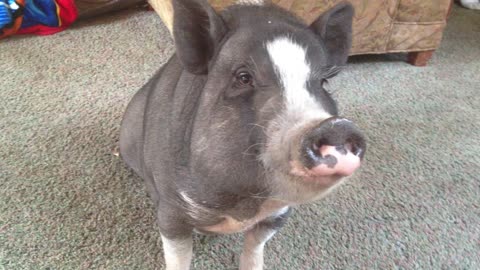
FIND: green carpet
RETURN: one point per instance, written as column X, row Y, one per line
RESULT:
column 67, row 203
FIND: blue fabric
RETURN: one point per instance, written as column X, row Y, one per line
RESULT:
column 40, row 12
column 6, row 12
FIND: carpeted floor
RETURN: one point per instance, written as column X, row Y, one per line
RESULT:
column 67, row 203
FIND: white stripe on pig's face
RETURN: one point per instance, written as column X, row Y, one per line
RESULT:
column 305, row 106
column 293, row 70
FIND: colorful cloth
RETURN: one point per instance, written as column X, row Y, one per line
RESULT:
column 10, row 16
column 42, row 17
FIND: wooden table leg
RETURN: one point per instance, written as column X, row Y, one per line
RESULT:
column 420, row 59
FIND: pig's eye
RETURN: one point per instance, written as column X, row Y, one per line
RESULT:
column 242, row 84
column 326, row 86
column 324, row 82
column 244, row 78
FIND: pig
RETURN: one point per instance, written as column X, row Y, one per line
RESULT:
column 237, row 127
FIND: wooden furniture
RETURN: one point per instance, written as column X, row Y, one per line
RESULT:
column 380, row 26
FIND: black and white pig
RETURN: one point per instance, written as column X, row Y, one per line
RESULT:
column 236, row 128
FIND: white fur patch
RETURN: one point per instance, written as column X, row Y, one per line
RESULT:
column 339, row 120
column 282, row 211
column 178, row 253
column 267, row 236
column 471, row 4
column 293, row 69
column 252, row 255
column 250, row 2
column 194, row 209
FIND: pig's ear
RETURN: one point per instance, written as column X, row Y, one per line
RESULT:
column 197, row 30
column 335, row 30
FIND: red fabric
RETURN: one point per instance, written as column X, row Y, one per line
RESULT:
column 67, row 15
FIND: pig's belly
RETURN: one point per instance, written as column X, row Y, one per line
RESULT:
column 231, row 225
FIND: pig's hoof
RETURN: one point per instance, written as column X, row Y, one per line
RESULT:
column 116, row 151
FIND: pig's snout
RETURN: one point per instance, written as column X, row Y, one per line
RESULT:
column 335, row 147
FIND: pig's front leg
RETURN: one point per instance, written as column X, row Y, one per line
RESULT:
column 252, row 254
column 255, row 239
column 177, row 252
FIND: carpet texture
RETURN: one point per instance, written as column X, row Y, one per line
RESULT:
column 67, row 203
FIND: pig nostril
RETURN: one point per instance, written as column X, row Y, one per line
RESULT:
column 343, row 149
column 317, row 145
column 350, row 147
column 354, row 148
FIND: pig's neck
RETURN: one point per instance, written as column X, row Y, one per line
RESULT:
column 185, row 104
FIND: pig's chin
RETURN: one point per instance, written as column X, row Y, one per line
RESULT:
column 299, row 187
column 295, row 184
column 299, row 173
